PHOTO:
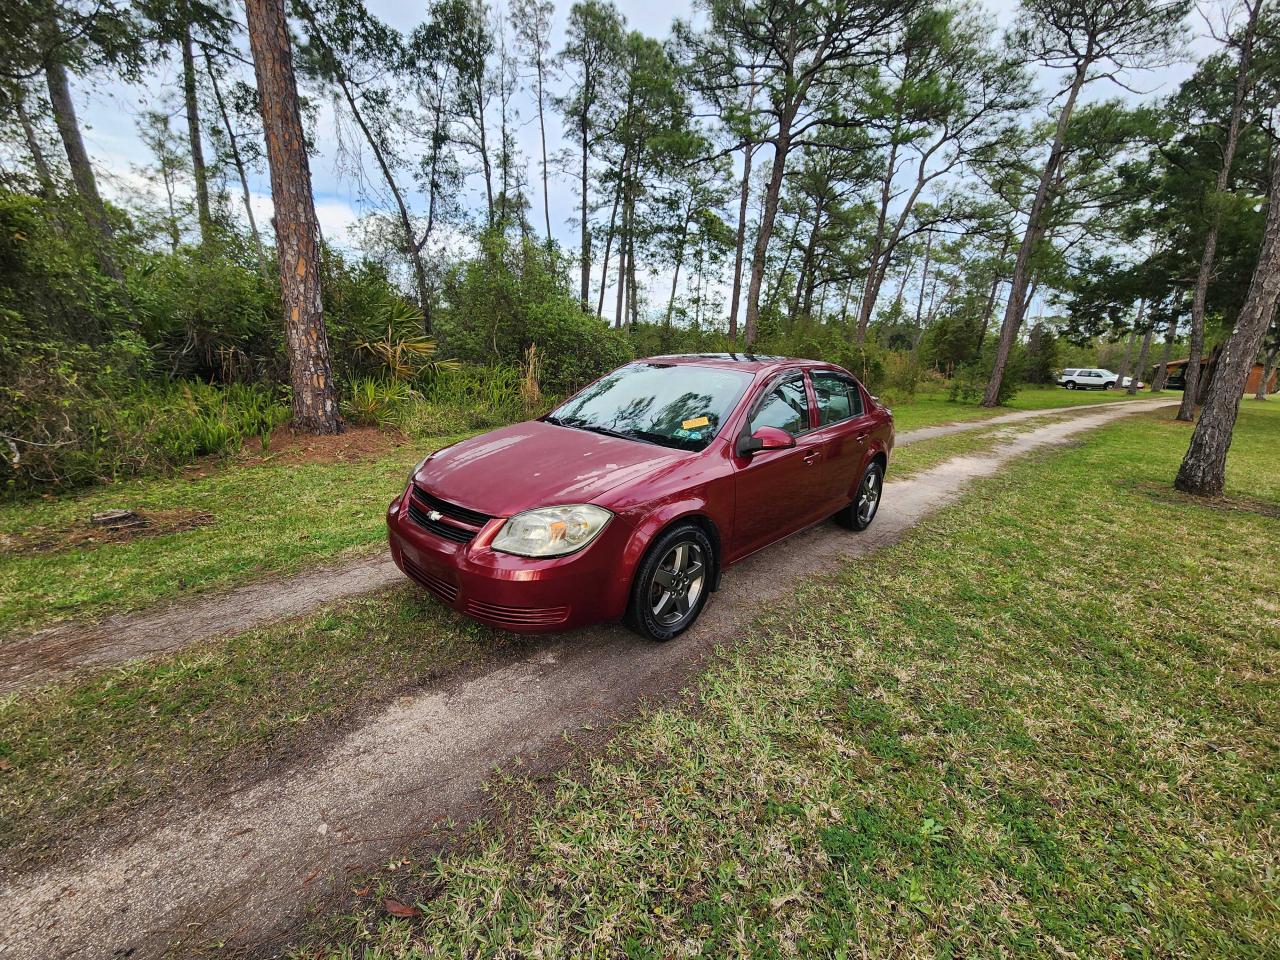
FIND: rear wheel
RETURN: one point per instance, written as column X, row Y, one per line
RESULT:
column 859, row 514
column 1070, row 384
column 672, row 584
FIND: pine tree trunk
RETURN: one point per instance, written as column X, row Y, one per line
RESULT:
column 1195, row 345
column 1144, row 352
column 43, row 173
column 1127, row 359
column 584, row 176
column 608, row 239
column 1268, row 368
column 1162, row 375
column 315, row 404
column 236, row 158
column 781, row 148
column 95, row 212
column 542, row 132
column 675, row 275
column 875, row 268
column 739, row 247
column 198, row 170
column 1203, row 470
column 1035, row 231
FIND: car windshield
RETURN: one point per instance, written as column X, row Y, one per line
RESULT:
column 671, row 404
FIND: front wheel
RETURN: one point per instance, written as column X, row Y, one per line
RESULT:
column 1109, row 385
column 672, row 583
column 859, row 514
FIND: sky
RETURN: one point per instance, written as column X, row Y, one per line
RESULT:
column 110, row 110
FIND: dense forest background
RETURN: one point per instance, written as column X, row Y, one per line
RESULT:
column 917, row 190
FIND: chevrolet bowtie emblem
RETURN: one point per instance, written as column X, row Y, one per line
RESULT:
column 434, row 516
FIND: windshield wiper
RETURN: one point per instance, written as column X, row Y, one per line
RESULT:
column 606, row 431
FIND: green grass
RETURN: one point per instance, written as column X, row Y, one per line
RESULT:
column 269, row 519
column 981, row 742
column 930, row 406
column 95, row 749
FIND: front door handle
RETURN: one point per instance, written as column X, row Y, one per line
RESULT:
column 812, row 457
column 861, row 438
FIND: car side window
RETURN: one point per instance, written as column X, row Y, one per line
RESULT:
column 785, row 406
column 838, row 397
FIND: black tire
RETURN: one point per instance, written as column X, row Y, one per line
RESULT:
column 1070, row 384
column 666, row 598
column 1109, row 385
column 859, row 514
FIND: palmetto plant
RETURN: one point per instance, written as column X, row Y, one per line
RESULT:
column 403, row 351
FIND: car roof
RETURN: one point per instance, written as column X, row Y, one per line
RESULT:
column 754, row 363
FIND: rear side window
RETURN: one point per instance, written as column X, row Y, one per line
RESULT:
column 785, row 406
column 838, row 396
column 1069, row 373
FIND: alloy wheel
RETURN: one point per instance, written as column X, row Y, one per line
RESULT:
column 869, row 497
column 677, row 583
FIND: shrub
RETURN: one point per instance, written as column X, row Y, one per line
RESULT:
column 72, row 415
column 514, row 295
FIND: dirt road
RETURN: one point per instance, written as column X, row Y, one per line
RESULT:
column 59, row 650
column 244, row 867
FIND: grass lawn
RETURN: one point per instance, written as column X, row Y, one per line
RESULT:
column 984, row 741
column 268, row 518
column 930, row 405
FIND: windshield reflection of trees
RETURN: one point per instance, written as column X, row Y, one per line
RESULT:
column 636, row 414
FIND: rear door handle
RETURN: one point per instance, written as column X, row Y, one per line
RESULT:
column 861, row 438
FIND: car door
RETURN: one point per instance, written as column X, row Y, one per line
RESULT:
column 778, row 491
column 844, row 426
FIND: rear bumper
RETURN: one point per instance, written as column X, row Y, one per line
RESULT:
column 519, row 594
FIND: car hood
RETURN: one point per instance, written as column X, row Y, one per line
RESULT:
column 536, row 464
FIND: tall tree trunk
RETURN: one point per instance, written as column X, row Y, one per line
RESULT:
column 95, row 212
column 675, row 275
column 1195, row 343
column 1144, row 352
column 622, row 265
column 43, row 172
column 800, row 303
column 608, row 239
column 1127, row 358
column 542, row 133
column 236, row 158
column 1203, row 470
column 875, row 274
column 749, row 150
column 1036, row 227
column 315, row 401
column 584, row 176
column 198, row 170
column 773, row 193
column 1268, row 368
column 1162, row 375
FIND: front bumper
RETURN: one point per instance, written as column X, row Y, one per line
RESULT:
column 519, row 594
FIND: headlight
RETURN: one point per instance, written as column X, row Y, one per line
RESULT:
column 551, row 531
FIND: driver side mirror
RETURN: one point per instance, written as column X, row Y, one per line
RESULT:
column 766, row 438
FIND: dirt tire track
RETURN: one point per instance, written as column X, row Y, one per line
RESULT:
column 245, row 867
column 59, row 650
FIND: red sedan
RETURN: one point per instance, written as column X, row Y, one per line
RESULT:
column 630, row 500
